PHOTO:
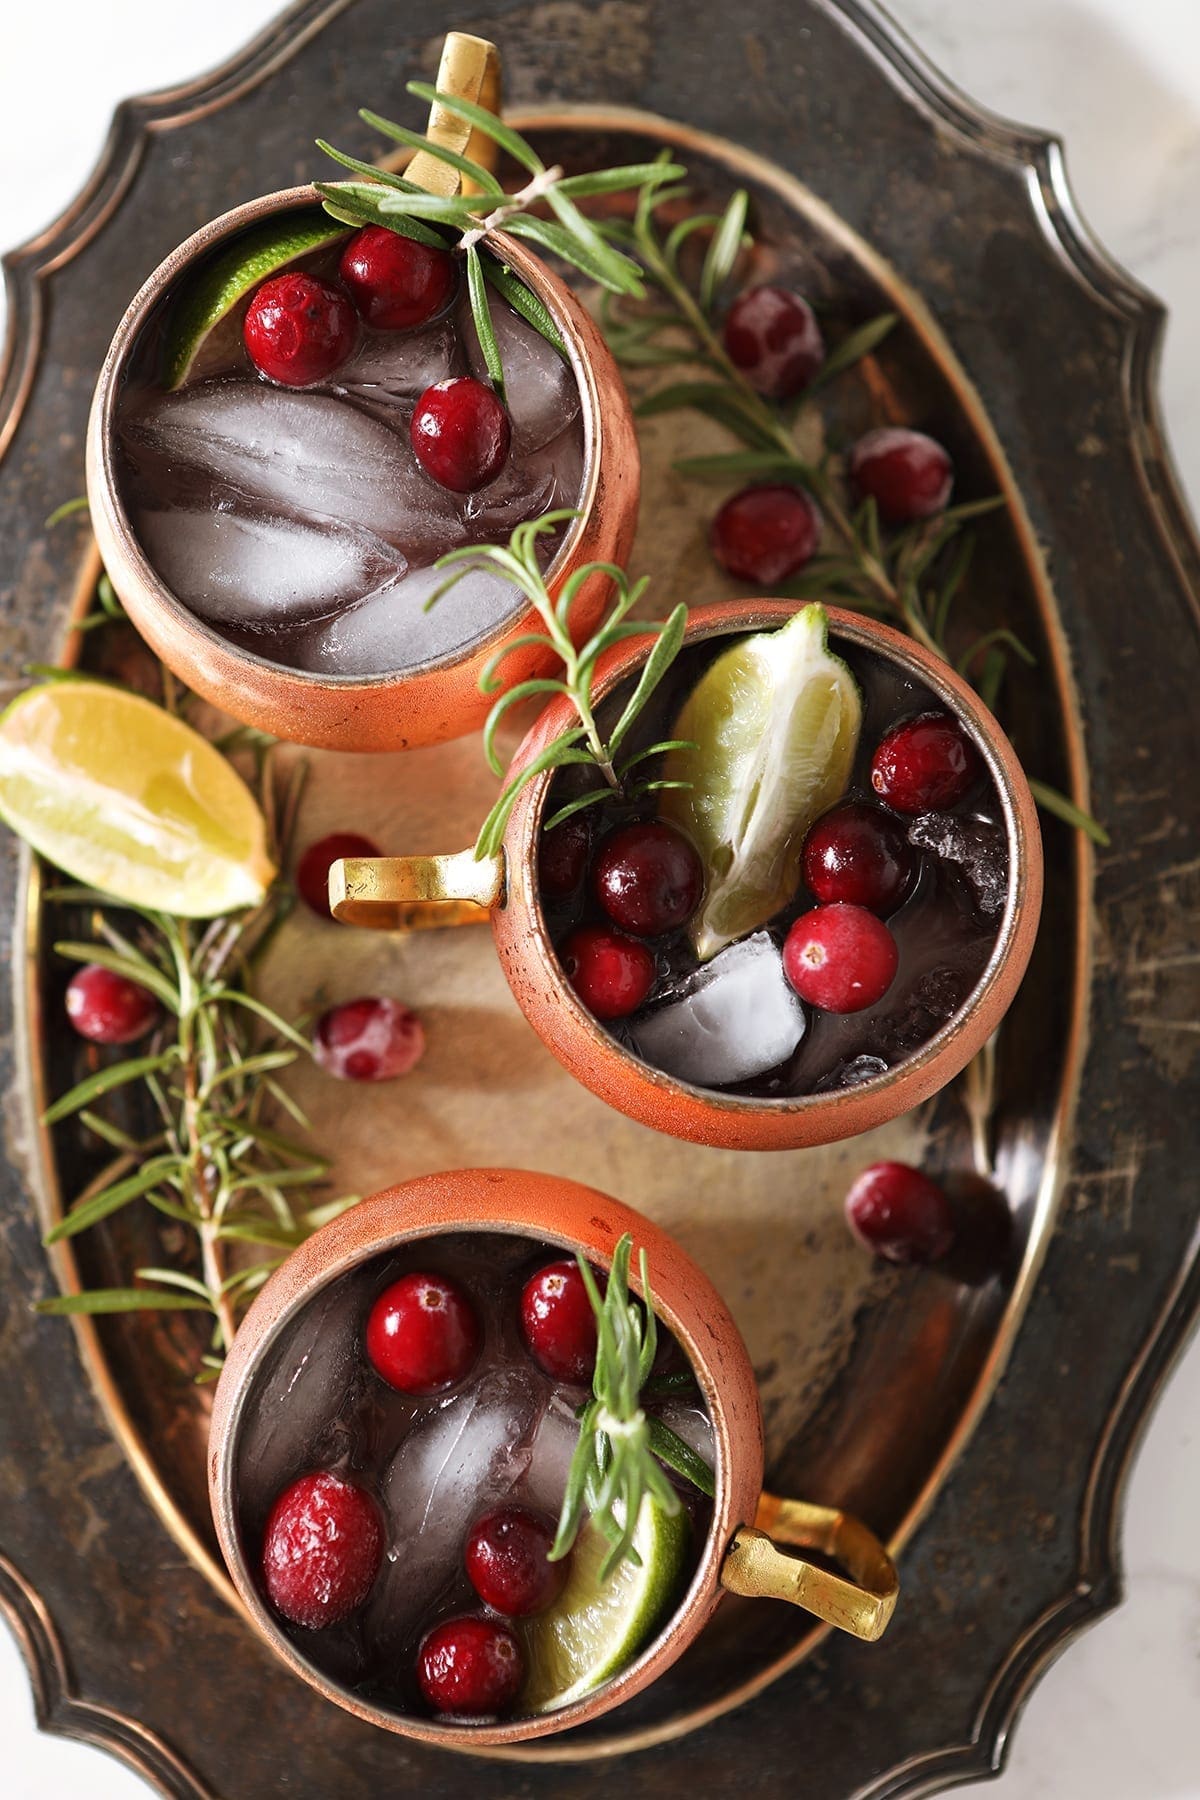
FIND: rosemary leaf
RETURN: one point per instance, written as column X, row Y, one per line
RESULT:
column 133, row 968
column 109, row 1200
column 725, row 249
column 523, row 300
column 667, row 648
column 852, row 349
column 416, row 140
column 482, row 317
column 119, row 1300
column 104, row 1081
column 502, row 135
column 1065, row 809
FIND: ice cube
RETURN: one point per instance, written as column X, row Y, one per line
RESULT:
column 528, row 486
column 312, row 455
column 544, row 1480
column 540, row 389
column 257, row 571
column 689, row 1421
column 295, row 1415
column 977, row 846
column 733, row 1019
column 392, row 630
column 852, row 1073
column 453, row 1464
column 400, row 365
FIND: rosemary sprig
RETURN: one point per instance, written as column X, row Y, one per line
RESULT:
column 582, row 745
column 192, row 1120
column 467, row 222
column 617, row 1461
column 911, row 576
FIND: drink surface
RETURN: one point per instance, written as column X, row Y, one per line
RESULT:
column 734, row 1024
column 502, row 1435
column 298, row 521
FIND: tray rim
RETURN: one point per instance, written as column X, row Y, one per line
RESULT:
column 1040, row 154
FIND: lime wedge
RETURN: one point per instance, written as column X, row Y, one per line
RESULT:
column 205, row 325
column 128, row 799
column 595, row 1627
column 775, row 721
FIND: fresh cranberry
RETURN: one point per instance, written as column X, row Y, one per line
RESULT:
column 312, row 871
column 611, row 973
column 562, row 857
column 422, row 1334
column 371, row 1039
column 471, row 1667
column 648, row 878
column 857, row 853
column 322, row 1550
column 558, row 1324
column 506, row 1562
column 898, row 1213
column 108, row 1008
column 765, row 534
column 460, row 433
column 840, row 958
column 395, row 282
column 298, row 330
column 925, row 764
column 773, row 337
column 908, row 475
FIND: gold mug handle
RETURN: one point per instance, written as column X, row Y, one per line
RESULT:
column 470, row 70
column 416, row 893
column 860, row 1602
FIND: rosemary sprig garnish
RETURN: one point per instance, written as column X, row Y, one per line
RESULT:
column 910, row 576
column 466, row 223
column 616, row 1463
column 582, row 745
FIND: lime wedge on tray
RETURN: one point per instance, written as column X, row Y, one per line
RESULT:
column 204, row 328
column 128, row 799
column 594, row 1628
column 775, row 722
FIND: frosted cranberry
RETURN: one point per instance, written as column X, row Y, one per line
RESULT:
column 471, row 1667
column 648, row 878
column 298, row 330
column 925, row 763
column 773, row 337
column 321, row 1550
column 395, row 282
column 558, row 1324
column 840, row 958
column 108, row 1008
column 460, row 433
column 422, row 1334
column 857, row 853
column 899, row 1213
column 765, row 534
column 611, row 973
column 370, row 1039
column 506, row 1562
column 908, row 475
column 562, row 857
column 312, row 871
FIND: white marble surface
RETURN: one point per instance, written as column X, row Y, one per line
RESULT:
column 1116, row 1718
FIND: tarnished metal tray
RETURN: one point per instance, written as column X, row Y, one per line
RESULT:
column 1032, row 355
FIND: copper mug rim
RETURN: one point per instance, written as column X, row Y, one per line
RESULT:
column 176, row 631
column 408, row 892
column 741, row 1552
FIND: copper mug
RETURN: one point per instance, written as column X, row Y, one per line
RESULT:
column 413, row 892
column 755, row 1540
column 430, row 701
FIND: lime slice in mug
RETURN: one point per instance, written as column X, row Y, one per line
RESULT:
column 596, row 1627
column 774, row 722
column 205, row 326
column 126, row 798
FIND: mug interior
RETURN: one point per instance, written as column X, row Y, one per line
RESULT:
column 935, row 686
column 133, row 353
column 254, row 1465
